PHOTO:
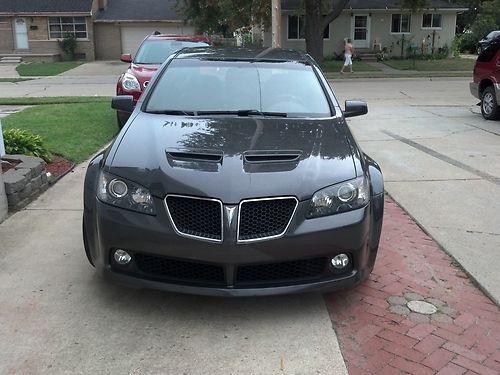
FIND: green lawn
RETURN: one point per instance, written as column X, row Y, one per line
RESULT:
column 54, row 100
column 45, row 69
column 73, row 130
column 454, row 64
column 335, row 66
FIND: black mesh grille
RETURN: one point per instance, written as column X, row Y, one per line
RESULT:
column 196, row 217
column 265, row 218
column 178, row 269
column 284, row 271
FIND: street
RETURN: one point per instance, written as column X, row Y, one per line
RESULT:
column 441, row 163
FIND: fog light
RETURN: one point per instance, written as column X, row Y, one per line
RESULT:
column 122, row 257
column 340, row 261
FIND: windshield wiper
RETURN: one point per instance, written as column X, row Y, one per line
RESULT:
column 243, row 113
column 173, row 112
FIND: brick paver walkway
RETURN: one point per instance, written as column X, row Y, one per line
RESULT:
column 377, row 332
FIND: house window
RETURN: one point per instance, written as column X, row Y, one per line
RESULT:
column 400, row 23
column 60, row 26
column 297, row 28
column 431, row 21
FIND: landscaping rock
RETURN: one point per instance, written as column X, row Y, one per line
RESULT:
column 25, row 182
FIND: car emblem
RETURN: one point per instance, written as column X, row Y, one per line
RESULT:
column 230, row 211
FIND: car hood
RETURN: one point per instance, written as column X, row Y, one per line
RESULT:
column 143, row 72
column 232, row 158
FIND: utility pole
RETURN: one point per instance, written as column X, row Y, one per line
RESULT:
column 276, row 23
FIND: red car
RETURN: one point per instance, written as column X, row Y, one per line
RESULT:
column 486, row 81
column 152, row 52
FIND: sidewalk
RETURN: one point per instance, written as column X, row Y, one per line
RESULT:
column 8, row 71
column 379, row 334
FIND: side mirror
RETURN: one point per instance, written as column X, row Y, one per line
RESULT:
column 126, row 57
column 123, row 103
column 355, row 108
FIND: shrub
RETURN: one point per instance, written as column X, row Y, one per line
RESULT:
column 68, row 45
column 18, row 141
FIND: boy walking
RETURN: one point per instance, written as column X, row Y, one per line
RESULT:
column 348, row 52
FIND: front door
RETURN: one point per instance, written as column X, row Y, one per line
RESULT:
column 360, row 31
column 21, row 33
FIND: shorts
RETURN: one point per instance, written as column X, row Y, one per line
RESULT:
column 348, row 60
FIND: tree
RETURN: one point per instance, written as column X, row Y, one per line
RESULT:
column 318, row 15
column 225, row 16
column 485, row 18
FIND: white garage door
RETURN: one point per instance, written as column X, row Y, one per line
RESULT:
column 132, row 36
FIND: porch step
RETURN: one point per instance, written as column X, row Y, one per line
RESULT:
column 368, row 56
column 11, row 60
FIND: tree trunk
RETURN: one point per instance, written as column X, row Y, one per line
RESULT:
column 314, row 29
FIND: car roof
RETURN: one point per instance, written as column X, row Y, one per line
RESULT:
column 190, row 38
column 244, row 54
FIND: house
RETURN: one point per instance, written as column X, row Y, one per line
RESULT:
column 376, row 25
column 121, row 25
column 104, row 28
column 31, row 28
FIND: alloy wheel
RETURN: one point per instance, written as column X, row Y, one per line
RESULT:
column 488, row 103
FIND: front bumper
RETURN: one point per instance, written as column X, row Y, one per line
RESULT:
column 155, row 238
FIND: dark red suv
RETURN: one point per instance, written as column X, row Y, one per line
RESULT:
column 152, row 52
column 486, row 84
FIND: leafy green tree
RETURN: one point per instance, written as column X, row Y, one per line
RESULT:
column 483, row 17
column 225, row 16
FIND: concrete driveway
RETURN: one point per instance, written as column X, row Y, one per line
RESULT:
column 57, row 316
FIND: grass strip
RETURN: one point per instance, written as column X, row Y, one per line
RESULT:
column 46, row 69
column 445, row 65
column 14, row 80
column 55, row 100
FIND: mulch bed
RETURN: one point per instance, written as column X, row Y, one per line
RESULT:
column 57, row 167
column 7, row 166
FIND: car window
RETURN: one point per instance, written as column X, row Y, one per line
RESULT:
column 490, row 52
column 157, row 51
column 193, row 85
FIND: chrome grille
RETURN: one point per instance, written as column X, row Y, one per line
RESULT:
column 265, row 218
column 195, row 217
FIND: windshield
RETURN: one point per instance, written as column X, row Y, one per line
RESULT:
column 245, row 88
column 157, row 51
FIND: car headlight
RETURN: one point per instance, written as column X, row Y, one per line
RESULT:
column 125, row 194
column 129, row 82
column 343, row 197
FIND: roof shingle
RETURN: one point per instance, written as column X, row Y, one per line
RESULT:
column 45, row 6
column 146, row 10
column 376, row 4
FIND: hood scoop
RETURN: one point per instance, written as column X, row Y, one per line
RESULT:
column 210, row 156
column 262, row 157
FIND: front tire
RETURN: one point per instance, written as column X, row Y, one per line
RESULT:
column 489, row 107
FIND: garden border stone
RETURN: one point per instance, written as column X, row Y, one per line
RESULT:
column 25, row 182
